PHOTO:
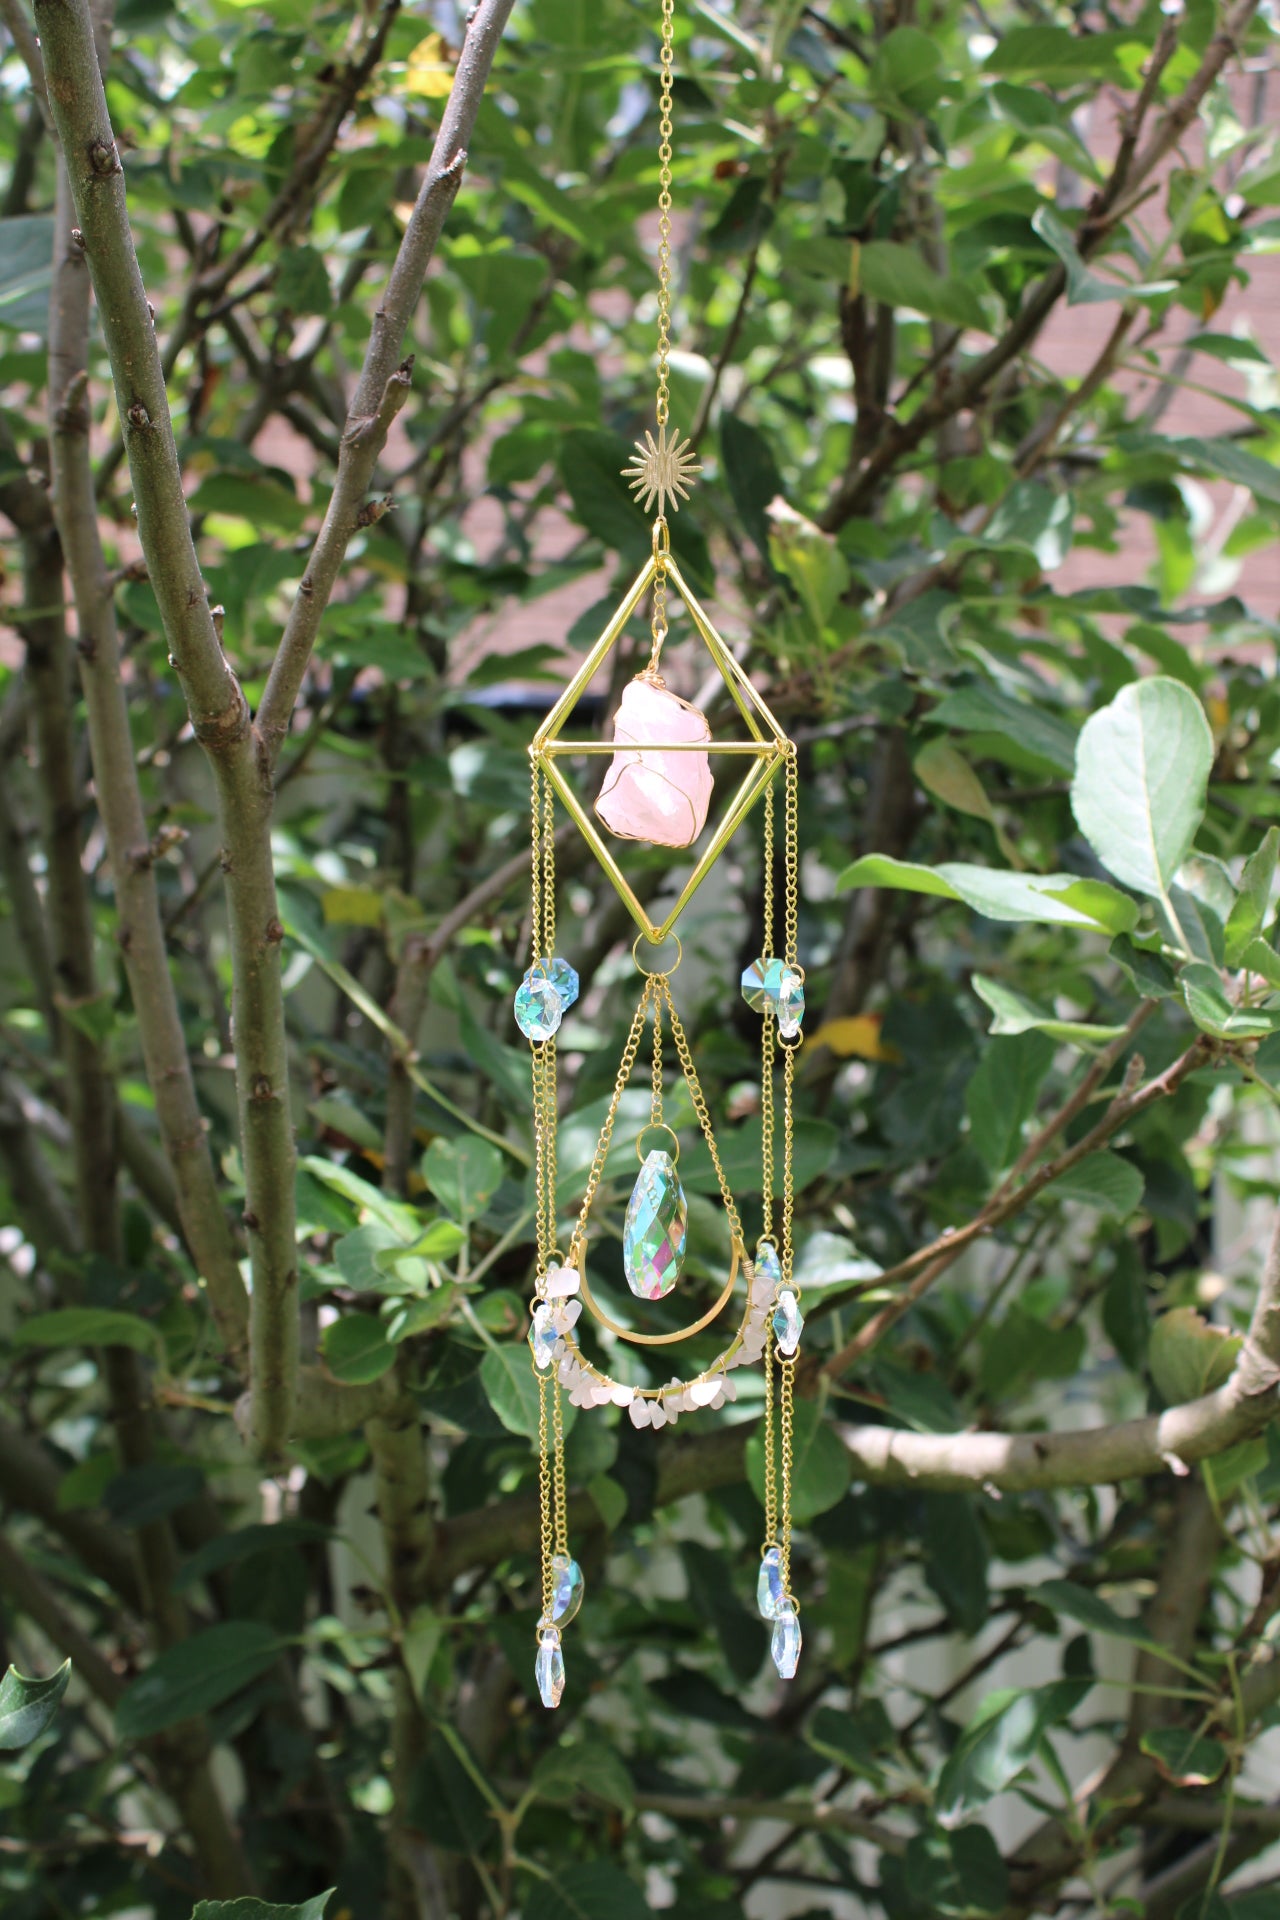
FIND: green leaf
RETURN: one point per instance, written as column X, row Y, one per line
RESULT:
column 1148, row 971
column 244, row 1543
column 948, row 1875
column 908, row 71
column 1083, row 287
column 1001, row 1096
column 1252, row 906
column 900, row 276
column 28, row 1706
column 1052, row 55
column 585, row 1766
column 955, row 1558
column 141, row 1495
column 446, row 1799
column 302, row 281
column 1014, row 1014
column 355, row 1254
column 1188, row 1357
column 195, row 1676
column 1102, row 1180
column 821, row 1466
column 1207, row 1003
column 593, row 1891
column 26, row 271
column 356, row 1349
column 1091, row 1610
column 1054, row 899
column 1260, row 957
column 87, row 1327
column 1000, row 1742
column 853, row 1740
column 1183, row 1757
column 1142, row 770
column 983, row 708
column 463, row 1174
column 751, row 474
column 247, row 1908
column 810, row 560
column 741, row 1154
column 508, row 1379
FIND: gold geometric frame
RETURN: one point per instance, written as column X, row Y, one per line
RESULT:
column 767, row 748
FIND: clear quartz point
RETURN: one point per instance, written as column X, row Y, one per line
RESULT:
column 769, row 1593
column 785, row 1643
column 790, row 1003
column 656, row 1228
column 768, row 1265
column 788, row 1322
column 568, row 1590
column 543, row 1334
column 539, row 1006
column 548, row 1669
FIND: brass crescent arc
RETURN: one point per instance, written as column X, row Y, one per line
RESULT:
column 579, row 1249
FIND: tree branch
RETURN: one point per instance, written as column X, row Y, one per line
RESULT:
column 384, row 379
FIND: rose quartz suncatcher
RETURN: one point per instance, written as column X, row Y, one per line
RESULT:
column 650, row 795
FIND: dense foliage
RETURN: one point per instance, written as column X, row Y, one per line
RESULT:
column 1036, row 1485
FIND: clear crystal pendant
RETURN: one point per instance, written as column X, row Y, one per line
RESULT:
column 656, row 1228
column 543, row 1334
column 788, row 1323
column 548, row 1668
column 769, row 1593
column 564, row 980
column 768, row 1265
column 539, row 1006
column 761, row 984
column 790, row 1003
column 569, row 1588
column 785, row 1643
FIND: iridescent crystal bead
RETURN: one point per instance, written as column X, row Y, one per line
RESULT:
column 790, row 1003
column 538, row 1005
column 785, row 1644
column 768, row 1265
column 769, row 1589
column 568, row 1589
column 543, row 1334
column 655, row 1229
column 761, row 984
column 548, row 1668
column 788, row 1322
column 564, row 980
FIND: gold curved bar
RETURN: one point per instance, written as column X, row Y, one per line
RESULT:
column 579, row 1249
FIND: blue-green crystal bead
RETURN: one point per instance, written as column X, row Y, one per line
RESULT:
column 761, row 982
column 785, row 1644
column 768, row 1265
column 568, row 1589
column 564, row 980
column 769, row 1592
column 538, row 1006
column 655, row 1229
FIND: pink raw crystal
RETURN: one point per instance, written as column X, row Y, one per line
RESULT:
column 658, row 797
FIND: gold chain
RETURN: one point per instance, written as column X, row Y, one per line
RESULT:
column 539, row 1158
column 625, row 1065
column 664, row 210
column 549, row 868
column 788, row 1404
column 791, row 856
column 535, row 817
column 770, row 1451
column 655, row 1097
column 558, row 1474
column 694, row 1085
column 544, row 1497
column 788, row 1161
column 768, row 1033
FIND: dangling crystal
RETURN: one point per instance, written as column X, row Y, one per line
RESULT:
column 790, row 1003
column 788, row 1322
column 768, row 1265
column 761, row 982
column 538, row 1005
column 564, row 980
column 548, row 1669
column 569, row 1588
column 785, row 1644
column 543, row 1334
column 655, row 1229
column 769, row 1591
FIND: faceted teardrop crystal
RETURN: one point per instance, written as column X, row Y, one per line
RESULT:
column 543, row 1334
column 788, row 1322
column 538, row 1005
column 768, row 1265
column 548, row 1668
column 769, row 1594
column 568, row 1590
column 785, row 1644
column 790, row 1004
column 655, row 1229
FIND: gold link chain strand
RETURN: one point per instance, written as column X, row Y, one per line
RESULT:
column 787, row 1423
column 667, row 69
column 655, row 1096
column 788, row 1162
column 548, row 869
column 559, row 1495
column 625, row 1065
column 698, row 1098
column 547, row 1535
column 791, row 857
column 535, row 822
column 770, row 1447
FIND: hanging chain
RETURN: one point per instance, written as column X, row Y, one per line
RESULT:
column 544, row 1497
column 788, row 1408
column 627, row 1062
column 698, row 1098
column 768, row 1033
column 548, row 868
column 664, row 210
column 770, row 1448
column 535, row 906
column 791, row 857
column 655, row 1097
column 558, row 1473
column 788, row 1162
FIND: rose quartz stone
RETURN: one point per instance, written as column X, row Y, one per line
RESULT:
column 658, row 797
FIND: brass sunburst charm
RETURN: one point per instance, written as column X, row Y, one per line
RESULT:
column 663, row 470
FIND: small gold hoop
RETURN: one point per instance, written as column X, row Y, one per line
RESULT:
column 791, row 1044
column 658, row 1126
column 661, row 538
column 656, row 973
column 768, row 1546
column 657, row 1339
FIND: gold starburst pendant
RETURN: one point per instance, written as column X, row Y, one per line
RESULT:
column 662, row 470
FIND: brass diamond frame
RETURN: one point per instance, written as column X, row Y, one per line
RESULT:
column 768, row 746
